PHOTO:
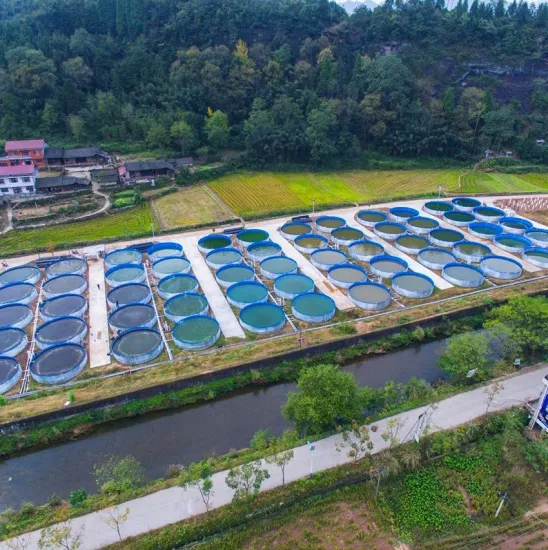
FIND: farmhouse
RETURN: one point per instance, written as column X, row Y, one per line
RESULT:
column 59, row 156
column 105, row 178
column 29, row 151
column 141, row 170
column 184, row 162
column 17, row 180
column 61, row 183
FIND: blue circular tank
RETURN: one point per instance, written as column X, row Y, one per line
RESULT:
column 324, row 258
column 132, row 316
column 196, row 332
column 290, row 286
column 123, row 256
column 292, row 230
column 386, row 266
column 10, row 373
column 437, row 208
column 247, row 237
column 538, row 237
column 369, row 218
column 66, row 266
column 516, row 226
column 130, row 293
column 137, row 346
column 214, row 242
column 15, row 315
column 345, row 236
column 17, row 293
column 230, row 274
column 12, row 341
column 125, row 273
column 59, row 363
column 488, row 214
column 185, row 305
column 411, row 244
column 274, row 267
column 313, row 307
column 463, row 275
column 61, row 330
column 512, row 243
column 64, row 284
column 466, row 204
column 363, row 250
column 248, row 292
column 501, row 267
column 421, row 226
column 263, row 318
column 74, row 305
column 536, row 255
column 258, row 252
column 170, row 265
column 161, row 250
column 225, row 256
column 389, row 231
column 310, row 242
column 401, row 214
column 412, row 285
column 445, row 238
column 326, row 224
column 435, row 258
column 471, row 252
column 459, row 218
column 345, row 275
column 370, row 296
column 485, row 230
column 20, row 274
column 176, row 284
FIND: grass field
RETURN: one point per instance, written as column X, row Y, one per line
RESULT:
column 129, row 222
column 480, row 182
column 189, row 206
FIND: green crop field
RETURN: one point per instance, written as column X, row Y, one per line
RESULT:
column 480, row 182
column 127, row 223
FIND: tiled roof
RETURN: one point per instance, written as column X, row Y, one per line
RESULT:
column 24, row 144
column 140, row 165
column 60, row 181
column 20, row 170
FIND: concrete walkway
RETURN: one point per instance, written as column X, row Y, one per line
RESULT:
column 172, row 505
column 320, row 280
column 389, row 248
column 230, row 326
column 99, row 348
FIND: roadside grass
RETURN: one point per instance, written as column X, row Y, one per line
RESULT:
column 189, row 206
column 128, row 222
column 540, row 180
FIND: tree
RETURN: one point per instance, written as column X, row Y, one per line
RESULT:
column 465, row 352
column 183, row 134
column 60, row 536
column 357, row 439
column 246, row 480
column 321, row 133
column 118, row 474
column 326, row 397
column 157, row 136
column 384, row 465
column 282, row 447
column 76, row 124
column 115, row 518
column 199, row 476
column 216, row 128
column 21, row 542
column 491, row 393
column 50, row 119
column 78, row 71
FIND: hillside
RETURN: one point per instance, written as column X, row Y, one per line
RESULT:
column 281, row 80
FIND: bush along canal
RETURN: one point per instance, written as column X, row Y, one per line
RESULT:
column 191, row 433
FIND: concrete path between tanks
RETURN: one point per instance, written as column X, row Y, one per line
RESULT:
column 99, row 348
column 389, row 248
column 228, row 323
column 320, row 280
column 175, row 504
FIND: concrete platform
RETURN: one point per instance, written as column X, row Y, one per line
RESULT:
column 389, row 248
column 320, row 280
column 228, row 322
column 99, row 345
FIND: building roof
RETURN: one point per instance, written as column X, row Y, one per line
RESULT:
column 84, row 152
column 25, row 144
column 20, row 170
column 104, row 176
column 140, row 165
column 181, row 162
column 60, row 181
column 54, row 152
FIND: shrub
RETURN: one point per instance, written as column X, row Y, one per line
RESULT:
column 77, row 498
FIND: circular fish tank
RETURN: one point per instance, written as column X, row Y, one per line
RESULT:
column 369, row 218
column 313, row 307
column 445, row 238
column 310, row 242
column 137, row 346
column 344, row 236
column 177, row 284
column 488, row 214
column 213, row 242
column 512, row 243
column 65, row 284
column 17, row 293
column 437, row 208
column 463, row 275
column 292, row 230
column 421, row 225
column 59, row 363
column 326, row 224
column 515, row 226
column 125, row 273
column 264, row 318
column 326, row 258
column 401, row 214
column 71, row 305
column 271, row 268
column 230, row 274
column 435, row 258
column 485, row 230
column 290, row 286
column 161, row 250
column 370, row 296
column 15, row 315
column 249, row 292
column 123, row 256
column 389, row 230
column 411, row 244
column 130, row 293
column 412, row 285
column 466, row 204
column 501, row 267
column 169, row 265
column 257, row 252
column 459, row 218
column 471, row 252
column 250, row 236
column 132, row 315
column 12, row 341
column 20, row 274
column 10, row 373
column 386, row 266
column 538, row 237
column 184, row 305
column 66, row 266
column 344, row 276
column 61, row 330
column 536, row 256
column 196, row 332
column 364, row 250
column 226, row 256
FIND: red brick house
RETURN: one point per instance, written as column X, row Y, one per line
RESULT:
column 29, row 151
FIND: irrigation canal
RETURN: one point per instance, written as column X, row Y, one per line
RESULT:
column 161, row 439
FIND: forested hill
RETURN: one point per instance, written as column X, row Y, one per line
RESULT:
column 282, row 80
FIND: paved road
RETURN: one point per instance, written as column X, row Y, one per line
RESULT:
column 174, row 504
